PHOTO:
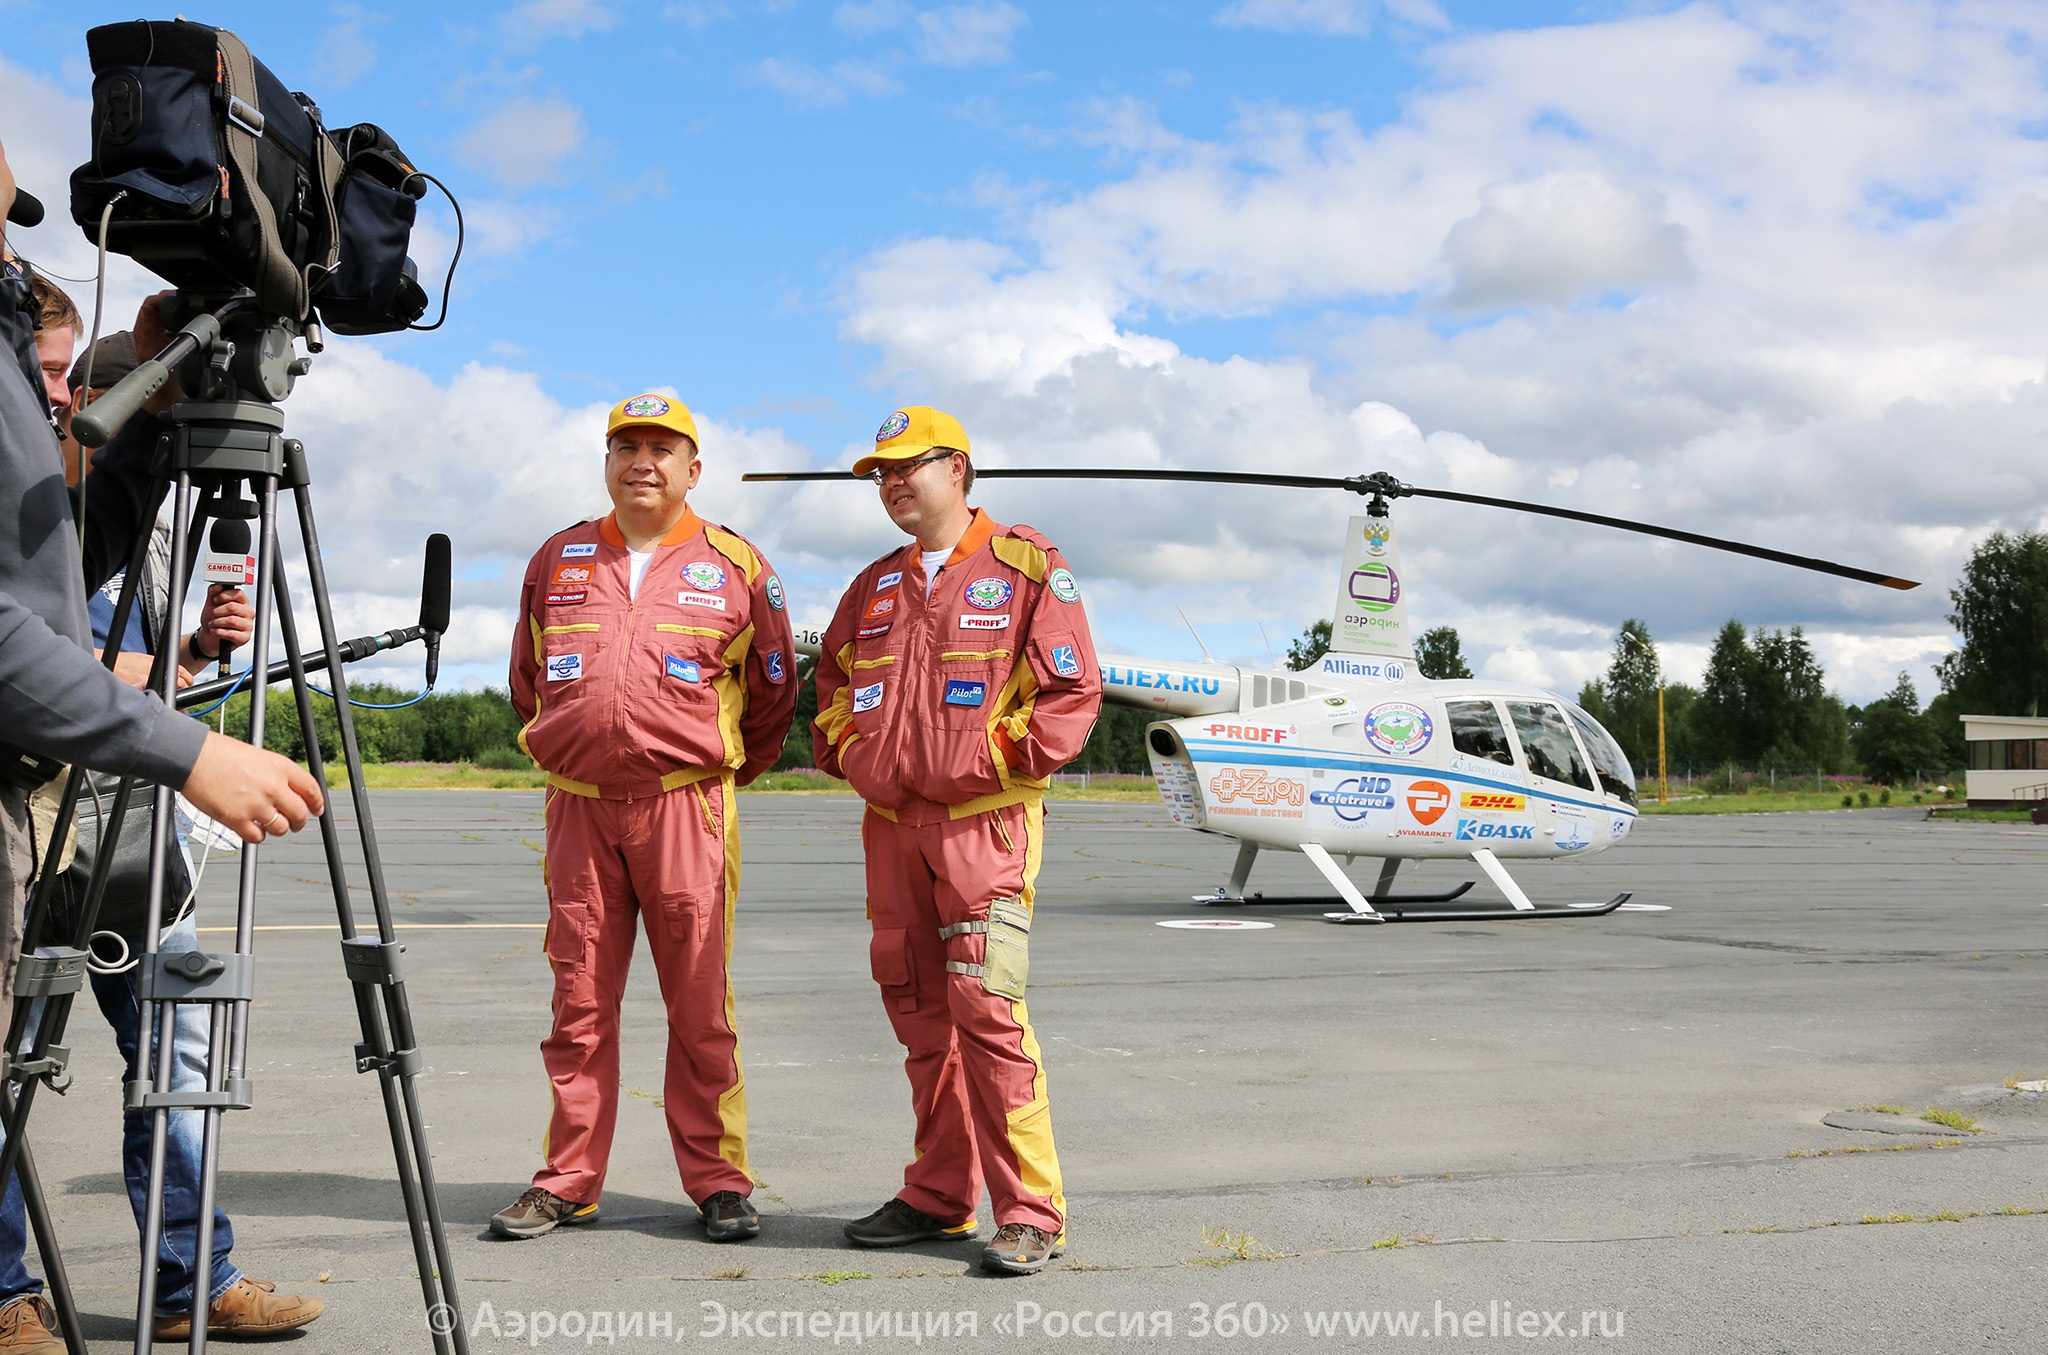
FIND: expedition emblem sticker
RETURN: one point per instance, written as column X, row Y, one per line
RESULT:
column 988, row 594
column 703, row 576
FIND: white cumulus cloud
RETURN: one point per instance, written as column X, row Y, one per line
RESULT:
column 525, row 142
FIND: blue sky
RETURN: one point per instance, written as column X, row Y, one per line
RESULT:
column 1743, row 268
column 695, row 231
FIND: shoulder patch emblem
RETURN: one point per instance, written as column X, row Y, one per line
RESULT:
column 988, row 593
column 704, row 576
column 1061, row 581
column 775, row 592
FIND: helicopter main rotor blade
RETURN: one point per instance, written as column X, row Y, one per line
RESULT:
column 1673, row 534
column 1214, row 477
column 1381, row 483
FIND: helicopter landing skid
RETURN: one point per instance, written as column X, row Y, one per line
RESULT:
column 1537, row 914
column 1377, row 901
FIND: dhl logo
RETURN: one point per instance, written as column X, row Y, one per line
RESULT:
column 1497, row 801
column 1251, row 784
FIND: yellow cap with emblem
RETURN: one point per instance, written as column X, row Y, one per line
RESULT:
column 911, row 432
column 652, row 411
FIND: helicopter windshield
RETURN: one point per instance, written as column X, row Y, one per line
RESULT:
column 1616, row 777
column 1547, row 742
column 1476, row 731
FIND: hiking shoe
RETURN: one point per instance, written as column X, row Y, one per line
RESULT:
column 248, row 1308
column 26, row 1327
column 897, row 1224
column 540, row 1211
column 1020, row 1249
column 730, row 1217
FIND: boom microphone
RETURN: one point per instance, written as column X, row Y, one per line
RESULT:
column 229, row 563
column 27, row 209
column 435, row 586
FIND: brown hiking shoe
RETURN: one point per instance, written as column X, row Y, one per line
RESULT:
column 1021, row 1249
column 539, row 1211
column 729, row 1217
column 26, row 1327
column 898, row 1224
column 248, row 1308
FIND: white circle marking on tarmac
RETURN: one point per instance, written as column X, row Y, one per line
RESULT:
column 1219, row 925
column 1645, row 908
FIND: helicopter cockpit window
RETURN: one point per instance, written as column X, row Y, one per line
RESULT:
column 1609, row 763
column 1548, row 742
column 1476, row 731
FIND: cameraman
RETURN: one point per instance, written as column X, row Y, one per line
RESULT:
column 237, row 1305
column 55, row 700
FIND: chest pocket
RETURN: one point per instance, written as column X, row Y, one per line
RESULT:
column 576, row 658
column 969, row 682
column 692, row 655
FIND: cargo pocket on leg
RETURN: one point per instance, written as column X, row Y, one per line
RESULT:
column 1008, row 958
column 889, row 959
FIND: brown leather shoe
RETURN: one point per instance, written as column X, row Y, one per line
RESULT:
column 26, row 1325
column 250, row 1308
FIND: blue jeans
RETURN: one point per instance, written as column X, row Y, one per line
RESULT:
column 178, row 1248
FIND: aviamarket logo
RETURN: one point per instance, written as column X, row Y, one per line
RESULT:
column 1427, row 801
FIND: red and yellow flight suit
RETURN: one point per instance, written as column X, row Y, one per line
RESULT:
column 645, row 709
column 948, row 714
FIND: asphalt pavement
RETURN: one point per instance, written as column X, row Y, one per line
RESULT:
column 1610, row 1130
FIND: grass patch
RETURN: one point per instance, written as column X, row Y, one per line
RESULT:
column 437, row 776
column 1747, row 802
column 837, row 1276
column 736, row 1273
column 1235, row 1246
column 1875, row 1148
column 1986, row 815
column 466, row 776
column 1944, row 1216
column 1394, row 1243
column 1952, row 1119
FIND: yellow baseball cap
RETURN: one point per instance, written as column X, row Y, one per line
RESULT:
column 911, row 432
column 652, row 411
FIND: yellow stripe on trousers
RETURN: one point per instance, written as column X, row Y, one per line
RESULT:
column 732, row 1106
column 1031, row 1123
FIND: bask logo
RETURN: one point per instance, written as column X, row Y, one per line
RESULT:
column 1427, row 801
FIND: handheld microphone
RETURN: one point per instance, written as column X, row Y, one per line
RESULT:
column 435, row 586
column 229, row 562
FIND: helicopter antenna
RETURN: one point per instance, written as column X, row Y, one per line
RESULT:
column 1379, row 487
column 1192, row 631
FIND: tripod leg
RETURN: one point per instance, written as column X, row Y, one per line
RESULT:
column 375, row 1049
column 375, row 965
column 37, row 1208
column 156, row 1058
column 227, row 1066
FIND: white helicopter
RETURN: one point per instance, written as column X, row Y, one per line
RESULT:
column 1362, row 756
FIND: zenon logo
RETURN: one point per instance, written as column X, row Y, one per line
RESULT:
column 1427, row 801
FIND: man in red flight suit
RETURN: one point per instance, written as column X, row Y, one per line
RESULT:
column 652, row 670
column 956, row 677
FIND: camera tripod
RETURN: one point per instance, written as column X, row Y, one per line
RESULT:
column 228, row 442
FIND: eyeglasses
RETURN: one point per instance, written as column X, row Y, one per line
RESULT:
column 902, row 469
